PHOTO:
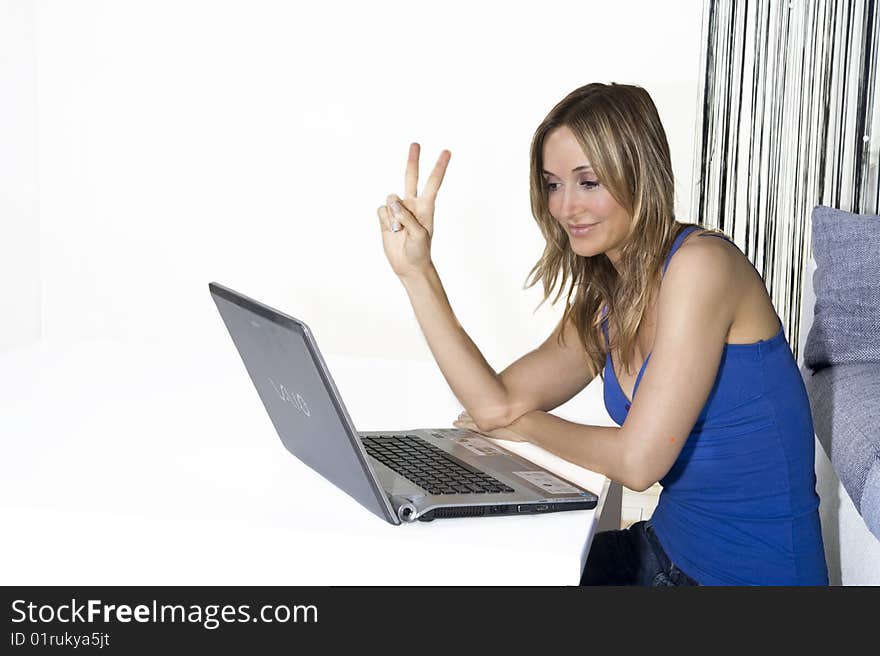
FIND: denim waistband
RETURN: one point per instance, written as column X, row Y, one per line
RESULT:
column 665, row 563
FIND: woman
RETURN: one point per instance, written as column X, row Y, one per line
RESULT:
column 696, row 369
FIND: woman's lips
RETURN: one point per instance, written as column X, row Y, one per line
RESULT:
column 577, row 231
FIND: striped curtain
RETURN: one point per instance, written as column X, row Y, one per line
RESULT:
column 789, row 118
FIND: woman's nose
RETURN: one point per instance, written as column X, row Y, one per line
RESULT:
column 571, row 205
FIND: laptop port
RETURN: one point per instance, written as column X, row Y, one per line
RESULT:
column 532, row 508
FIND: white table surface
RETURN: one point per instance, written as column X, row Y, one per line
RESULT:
column 131, row 463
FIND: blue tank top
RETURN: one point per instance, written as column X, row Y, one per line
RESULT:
column 739, row 505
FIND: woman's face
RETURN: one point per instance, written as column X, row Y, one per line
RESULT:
column 576, row 197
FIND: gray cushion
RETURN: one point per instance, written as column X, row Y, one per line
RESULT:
column 846, row 416
column 846, row 323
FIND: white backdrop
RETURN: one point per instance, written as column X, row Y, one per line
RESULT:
column 19, row 229
column 157, row 146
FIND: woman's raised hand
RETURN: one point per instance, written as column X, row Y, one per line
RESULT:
column 408, row 224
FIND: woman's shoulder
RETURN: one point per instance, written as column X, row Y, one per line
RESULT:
column 706, row 251
column 706, row 268
column 740, row 283
column 698, row 234
column 712, row 249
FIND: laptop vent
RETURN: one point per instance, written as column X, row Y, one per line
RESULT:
column 477, row 511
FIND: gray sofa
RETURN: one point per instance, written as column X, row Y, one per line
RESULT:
column 839, row 359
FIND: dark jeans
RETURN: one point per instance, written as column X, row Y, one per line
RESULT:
column 631, row 556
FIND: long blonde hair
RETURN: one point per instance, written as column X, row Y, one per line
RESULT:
column 619, row 130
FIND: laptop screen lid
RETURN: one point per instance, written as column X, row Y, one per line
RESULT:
column 299, row 395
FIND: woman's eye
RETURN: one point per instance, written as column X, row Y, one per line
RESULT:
column 587, row 184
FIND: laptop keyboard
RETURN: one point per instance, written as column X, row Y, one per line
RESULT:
column 429, row 467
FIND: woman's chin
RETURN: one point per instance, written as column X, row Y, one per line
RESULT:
column 585, row 251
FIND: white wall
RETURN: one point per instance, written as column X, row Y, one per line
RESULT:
column 19, row 227
column 249, row 143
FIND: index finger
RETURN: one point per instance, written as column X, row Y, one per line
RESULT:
column 432, row 186
column 410, row 184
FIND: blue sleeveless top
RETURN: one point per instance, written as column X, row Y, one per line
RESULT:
column 739, row 505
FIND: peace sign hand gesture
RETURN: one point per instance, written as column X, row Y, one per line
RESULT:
column 408, row 224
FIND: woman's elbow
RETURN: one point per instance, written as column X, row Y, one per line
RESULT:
column 641, row 484
column 487, row 421
column 640, row 473
column 488, row 424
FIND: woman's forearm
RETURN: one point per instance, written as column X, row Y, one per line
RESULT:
column 475, row 384
column 598, row 448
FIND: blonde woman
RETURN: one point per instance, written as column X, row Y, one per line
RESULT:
column 696, row 368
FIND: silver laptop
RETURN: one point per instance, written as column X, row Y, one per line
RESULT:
column 402, row 475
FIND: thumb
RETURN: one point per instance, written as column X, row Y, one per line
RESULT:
column 401, row 215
